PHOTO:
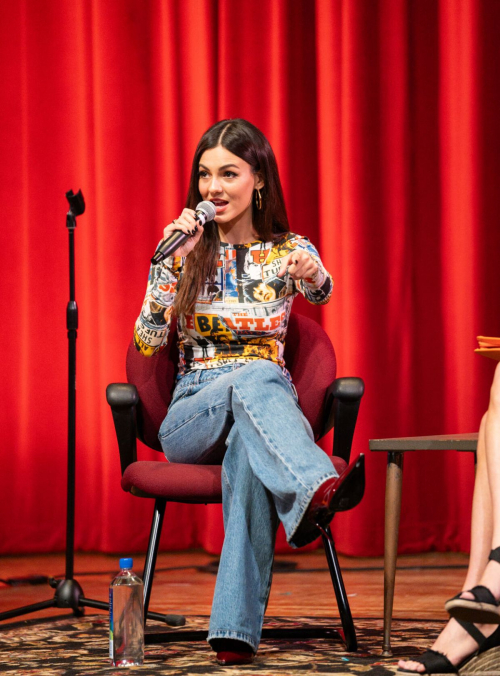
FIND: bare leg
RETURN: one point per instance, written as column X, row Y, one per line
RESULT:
column 482, row 523
column 454, row 641
column 486, row 504
column 491, row 575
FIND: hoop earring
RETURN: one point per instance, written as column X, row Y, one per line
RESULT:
column 258, row 199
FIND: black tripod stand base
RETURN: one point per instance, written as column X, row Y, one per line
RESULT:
column 69, row 594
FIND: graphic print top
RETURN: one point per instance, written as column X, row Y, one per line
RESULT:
column 241, row 316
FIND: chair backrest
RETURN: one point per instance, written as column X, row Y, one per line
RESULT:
column 309, row 356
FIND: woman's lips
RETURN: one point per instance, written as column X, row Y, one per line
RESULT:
column 220, row 205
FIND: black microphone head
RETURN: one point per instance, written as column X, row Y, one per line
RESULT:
column 208, row 209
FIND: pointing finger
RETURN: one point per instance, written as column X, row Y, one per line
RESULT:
column 284, row 265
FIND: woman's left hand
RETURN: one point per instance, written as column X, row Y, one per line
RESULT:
column 299, row 265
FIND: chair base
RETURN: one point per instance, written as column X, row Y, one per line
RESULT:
column 154, row 637
column 347, row 635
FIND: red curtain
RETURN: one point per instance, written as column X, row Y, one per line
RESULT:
column 384, row 119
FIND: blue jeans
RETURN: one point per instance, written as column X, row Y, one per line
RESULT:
column 247, row 418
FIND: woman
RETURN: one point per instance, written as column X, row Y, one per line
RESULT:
column 231, row 286
column 461, row 639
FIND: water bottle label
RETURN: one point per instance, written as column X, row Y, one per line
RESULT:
column 111, row 623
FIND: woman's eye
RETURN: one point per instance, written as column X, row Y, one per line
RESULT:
column 202, row 174
column 230, row 174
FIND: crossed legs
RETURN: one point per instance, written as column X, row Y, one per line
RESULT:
column 271, row 470
column 454, row 641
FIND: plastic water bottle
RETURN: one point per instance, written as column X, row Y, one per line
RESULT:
column 126, row 617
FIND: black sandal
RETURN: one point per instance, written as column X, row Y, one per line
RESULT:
column 434, row 663
column 437, row 663
column 484, row 609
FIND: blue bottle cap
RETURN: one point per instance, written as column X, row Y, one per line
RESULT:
column 126, row 563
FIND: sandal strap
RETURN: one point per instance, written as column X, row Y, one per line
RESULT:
column 473, row 631
column 436, row 663
column 483, row 595
column 480, row 593
column 493, row 641
column 495, row 555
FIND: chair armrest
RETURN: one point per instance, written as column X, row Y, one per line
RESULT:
column 123, row 399
column 342, row 401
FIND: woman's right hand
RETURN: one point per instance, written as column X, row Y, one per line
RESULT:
column 187, row 223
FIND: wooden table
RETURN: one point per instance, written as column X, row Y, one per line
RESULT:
column 395, row 449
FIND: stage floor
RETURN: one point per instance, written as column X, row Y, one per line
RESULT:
column 184, row 583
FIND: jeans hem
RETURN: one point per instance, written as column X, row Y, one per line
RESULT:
column 237, row 635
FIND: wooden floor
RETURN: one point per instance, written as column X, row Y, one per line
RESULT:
column 182, row 585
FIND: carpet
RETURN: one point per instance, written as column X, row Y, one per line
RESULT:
column 70, row 645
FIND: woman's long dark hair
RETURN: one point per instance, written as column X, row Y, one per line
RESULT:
column 247, row 142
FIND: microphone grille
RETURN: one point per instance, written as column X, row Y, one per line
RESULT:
column 208, row 208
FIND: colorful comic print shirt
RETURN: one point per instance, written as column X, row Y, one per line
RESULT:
column 241, row 316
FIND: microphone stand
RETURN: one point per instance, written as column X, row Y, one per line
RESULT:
column 68, row 593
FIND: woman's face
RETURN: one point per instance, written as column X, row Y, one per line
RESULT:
column 227, row 181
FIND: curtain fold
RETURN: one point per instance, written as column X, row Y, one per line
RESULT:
column 384, row 119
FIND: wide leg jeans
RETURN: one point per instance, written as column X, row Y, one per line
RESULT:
column 247, row 417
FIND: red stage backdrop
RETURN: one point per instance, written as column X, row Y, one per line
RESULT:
column 384, row 119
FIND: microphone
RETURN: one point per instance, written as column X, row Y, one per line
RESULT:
column 205, row 211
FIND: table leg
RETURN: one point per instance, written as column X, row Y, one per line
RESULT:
column 393, row 488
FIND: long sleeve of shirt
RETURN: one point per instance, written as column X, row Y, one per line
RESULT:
column 317, row 289
column 153, row 324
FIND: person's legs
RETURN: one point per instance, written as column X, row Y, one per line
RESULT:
column 486, row 505
column 279, row 440
column 491, row 575
column 482, row 522
column 454, row 641
column 272, row 467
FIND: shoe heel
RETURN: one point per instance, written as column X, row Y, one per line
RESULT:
column 352, row 487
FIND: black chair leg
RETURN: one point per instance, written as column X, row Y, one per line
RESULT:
column 150, row 564
column 340, row 593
